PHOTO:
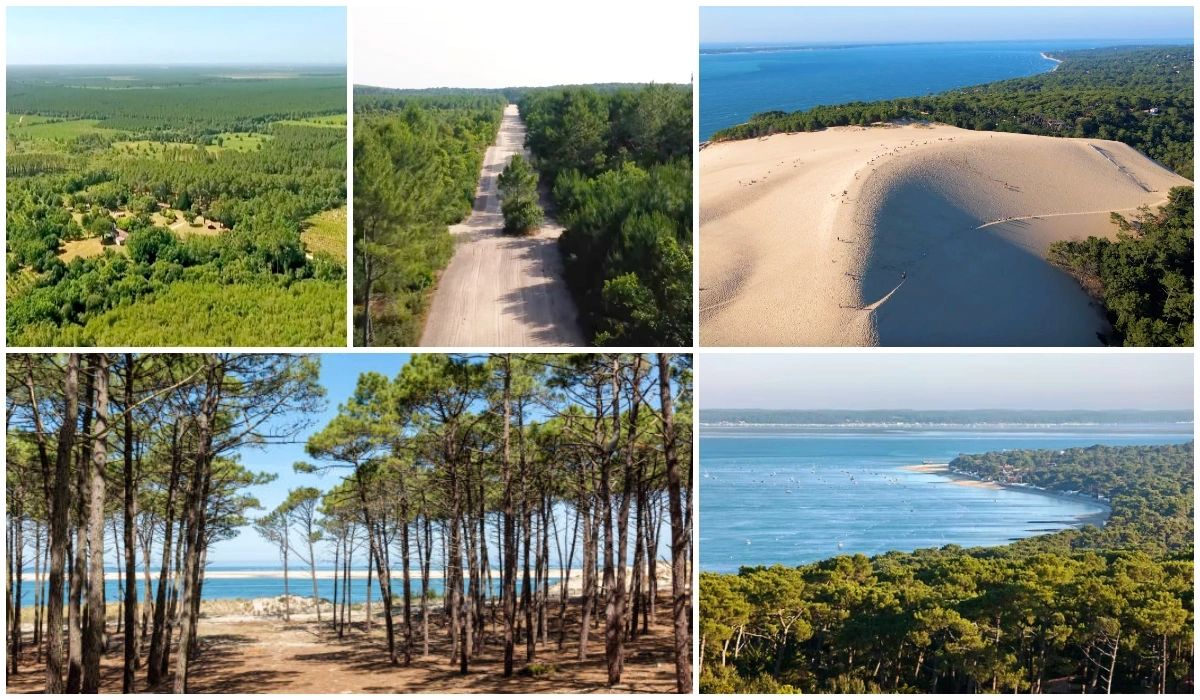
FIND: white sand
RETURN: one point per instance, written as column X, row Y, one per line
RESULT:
column 907, row 235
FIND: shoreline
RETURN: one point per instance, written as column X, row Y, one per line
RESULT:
column 1099, row 519
column 1057, row 61
column 302, row 574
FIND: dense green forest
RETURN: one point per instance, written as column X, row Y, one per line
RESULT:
column 619, row 161
column 417, row 157
column 171, row 211
column 1093, row 610
column 1146, row 277
column 1142, row 96
column 616, row 158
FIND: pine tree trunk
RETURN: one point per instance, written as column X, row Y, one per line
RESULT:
column 508, row 580
column 17, row 566
column 130, row 508
column 312, row 570
column 155, row 659
column 93, row 646
column 613, row 595
column 337, row 574
column 195, row 518
column 406, row 579
column 681, row 600
column 58, row 524
column 75, row 621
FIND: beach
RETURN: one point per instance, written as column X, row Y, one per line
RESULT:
column 908, row 235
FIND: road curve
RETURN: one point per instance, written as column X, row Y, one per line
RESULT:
column 502, row 290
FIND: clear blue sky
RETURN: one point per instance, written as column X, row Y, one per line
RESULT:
column 339, row 375
column 917, row 24
column 961, row 380
column 176, row 35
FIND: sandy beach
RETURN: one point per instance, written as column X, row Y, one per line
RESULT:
column 1098, row 519
column 958, row 479
column 907, row 235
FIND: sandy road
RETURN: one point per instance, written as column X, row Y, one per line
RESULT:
column 501, row 290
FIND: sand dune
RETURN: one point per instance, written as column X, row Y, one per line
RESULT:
column 907, row 235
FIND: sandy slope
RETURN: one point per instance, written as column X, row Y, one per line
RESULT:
column 501, row 290
column 907, row 235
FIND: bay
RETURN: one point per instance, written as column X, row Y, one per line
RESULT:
column 737, row 82
column 793, row 495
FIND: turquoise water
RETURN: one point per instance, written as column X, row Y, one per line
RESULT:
column 736, row 84
column 794, row 495
column 272, row 585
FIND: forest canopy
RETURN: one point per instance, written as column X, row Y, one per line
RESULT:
column 621, row 168
column 416, row 163
column 1146, row 277
column 139, row 211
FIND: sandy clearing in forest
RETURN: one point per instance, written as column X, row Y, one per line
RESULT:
column 907, row 235
column 268, row 655
column 501, row 290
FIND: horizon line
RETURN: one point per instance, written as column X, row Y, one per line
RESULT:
column 1094, row 410
column 787, row 43
column 172, row 65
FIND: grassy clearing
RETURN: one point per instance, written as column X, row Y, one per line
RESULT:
column 85, row 248
column 227, row 141
column 336, row 121
column 237, row 141
column 53, row 131
column 13, row 121
column 326, row 232
column 189, row 227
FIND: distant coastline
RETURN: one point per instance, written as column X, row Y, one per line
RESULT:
column 1098, row 519
column 1057, row 61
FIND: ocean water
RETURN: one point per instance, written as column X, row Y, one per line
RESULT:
column 738, row 82
column 775, row 495
column 269, row 583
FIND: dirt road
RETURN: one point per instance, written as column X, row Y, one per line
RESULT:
column 501, row 290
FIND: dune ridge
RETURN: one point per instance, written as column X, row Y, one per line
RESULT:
column 907, row 235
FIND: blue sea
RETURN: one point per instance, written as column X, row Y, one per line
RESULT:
column 268, row 582
column 737, row 82
column 792, row 495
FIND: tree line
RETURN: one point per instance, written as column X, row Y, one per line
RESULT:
column 262, row 196
column 1141, row 96
column 544, row 487
column 1146, row 277
column 178, row 105
column 619, row 161
column 416, row 165
column 1095, row 610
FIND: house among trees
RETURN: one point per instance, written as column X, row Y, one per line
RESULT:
column 120, row 236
